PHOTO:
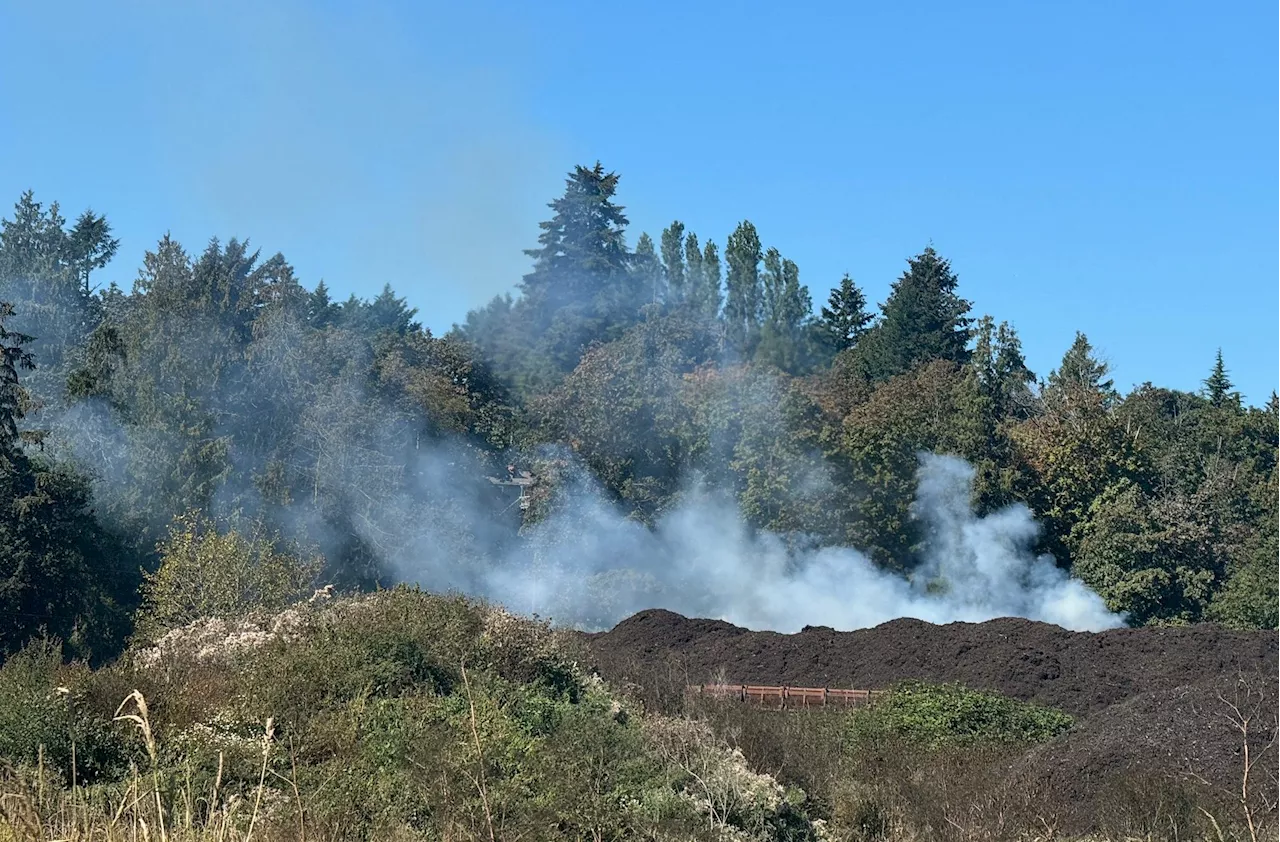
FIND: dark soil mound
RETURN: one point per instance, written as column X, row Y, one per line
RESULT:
column 1078, row 672
column 1153, row 733
column 1157, row 748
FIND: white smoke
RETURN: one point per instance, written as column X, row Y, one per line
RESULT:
column 587, row 565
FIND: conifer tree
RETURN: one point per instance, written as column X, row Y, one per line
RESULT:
column 582, row 288
column 13, row 357
column 320, row 307
column 844, row 318
column 1218, row 385
column 91, row 246
column 581, row 259
column 922, row 320
column 1081, row 373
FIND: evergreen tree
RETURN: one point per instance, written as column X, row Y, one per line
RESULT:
column 38, row 278
column 673, row 263
column 91, row 246
column 13, row 357
column 321, row 310
column 1217, row 385
column 581, row 259
column 1002, row 374
column 922, row 320
column 1015, row 380
column 743, row 288
column 1081, row 375
column 845, row 317
column 388, row 312
column 581, row 289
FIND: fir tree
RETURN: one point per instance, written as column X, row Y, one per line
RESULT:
column 1217, row 385
column 581, row 256
column 91, row 246
column 320, row 307
column 582, row 288
column 845, row 317
column 922, row 320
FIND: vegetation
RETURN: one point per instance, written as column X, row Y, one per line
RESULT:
column 214, row 441
column 402, row 715
column 952, row 715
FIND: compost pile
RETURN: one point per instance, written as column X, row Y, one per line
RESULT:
column 1145, row 698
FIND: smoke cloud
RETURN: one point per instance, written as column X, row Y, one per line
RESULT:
column 589, row 565
column 422, row 508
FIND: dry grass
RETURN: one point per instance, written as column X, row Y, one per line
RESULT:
column 147, row 807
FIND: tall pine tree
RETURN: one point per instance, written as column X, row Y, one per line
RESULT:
column 582, row 288
column 922, row 320
column 1217, row 386
column 845, row 317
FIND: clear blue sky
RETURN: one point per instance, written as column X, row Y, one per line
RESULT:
column 1102, row 166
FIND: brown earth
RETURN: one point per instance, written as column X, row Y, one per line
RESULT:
column 1148, row 701
column 1079, row 672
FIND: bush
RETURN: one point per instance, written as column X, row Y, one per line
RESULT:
column 42, row 721
column 206, row 573
column 938, row 715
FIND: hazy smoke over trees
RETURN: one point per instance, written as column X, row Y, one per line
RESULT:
column 696, row 438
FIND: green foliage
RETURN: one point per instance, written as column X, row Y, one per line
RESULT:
column 207, row 573
column 219, row 383
column 845, row 317
column 46, row 718
column 939, row 715
column 1217, row 385
column 922, row 320
column 404, row 715
column 743, row 288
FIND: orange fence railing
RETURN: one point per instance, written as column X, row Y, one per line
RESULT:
column 789, row 697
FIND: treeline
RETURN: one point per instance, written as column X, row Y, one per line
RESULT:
column 219, row 384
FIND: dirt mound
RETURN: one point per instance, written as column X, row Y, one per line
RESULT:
column 1157, row 747
column 1153, row 719
column 1079, row 672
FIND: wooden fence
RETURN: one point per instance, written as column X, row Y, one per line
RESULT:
column 784, row 698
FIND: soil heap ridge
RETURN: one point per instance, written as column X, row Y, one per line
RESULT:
column 1079, row 672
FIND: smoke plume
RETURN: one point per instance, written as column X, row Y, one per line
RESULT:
column 590, row 566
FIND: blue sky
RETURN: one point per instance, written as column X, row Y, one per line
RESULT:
column 1100, row 166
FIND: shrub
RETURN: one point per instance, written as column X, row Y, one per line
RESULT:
column 206, row 573
column 44, row 721
column 938, row 715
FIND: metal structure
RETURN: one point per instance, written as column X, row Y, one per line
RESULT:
column 521, row 481
column 787, row 698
